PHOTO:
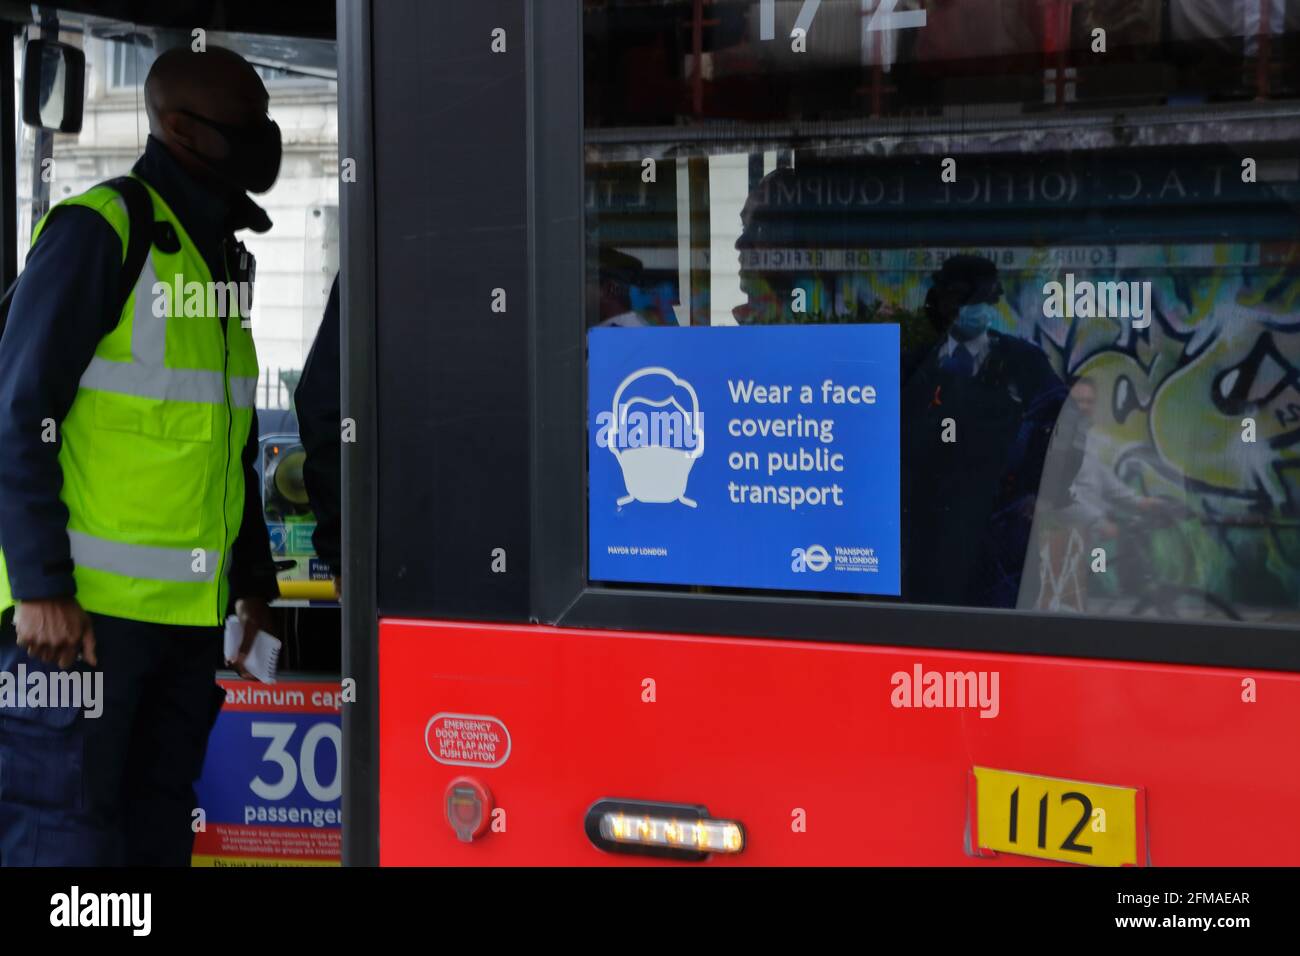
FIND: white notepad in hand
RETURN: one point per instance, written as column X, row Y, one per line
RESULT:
column 263, row 657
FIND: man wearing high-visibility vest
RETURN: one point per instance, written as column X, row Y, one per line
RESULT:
column 130, row 518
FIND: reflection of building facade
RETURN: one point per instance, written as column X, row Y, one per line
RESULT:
column 296, row 260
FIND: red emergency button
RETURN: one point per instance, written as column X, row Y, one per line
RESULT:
column 469, row 807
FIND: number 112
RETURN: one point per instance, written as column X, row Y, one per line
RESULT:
column 1068, row 844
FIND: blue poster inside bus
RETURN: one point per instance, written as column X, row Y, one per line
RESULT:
column 749, row 457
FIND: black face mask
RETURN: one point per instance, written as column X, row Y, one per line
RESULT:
column 252, row 161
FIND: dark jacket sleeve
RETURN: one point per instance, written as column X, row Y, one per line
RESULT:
column 252, row 568
column 66, row 301
column 1043, row 394
column 320, row 414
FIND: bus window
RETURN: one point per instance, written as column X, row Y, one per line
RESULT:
column 1098, row 325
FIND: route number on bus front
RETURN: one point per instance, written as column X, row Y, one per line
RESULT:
column 1053, row 819
column 884, row 17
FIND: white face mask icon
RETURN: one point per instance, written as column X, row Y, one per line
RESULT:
column 656, row 440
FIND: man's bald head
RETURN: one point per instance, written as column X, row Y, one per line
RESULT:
column 209, row 110
column 217, row 83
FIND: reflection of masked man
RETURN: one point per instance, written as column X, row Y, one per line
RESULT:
column 768, row 228
column 968, row 502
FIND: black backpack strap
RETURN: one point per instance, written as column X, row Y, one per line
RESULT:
column 139, row 210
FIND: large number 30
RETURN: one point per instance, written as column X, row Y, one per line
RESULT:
column 885, row 17
column 279, row 734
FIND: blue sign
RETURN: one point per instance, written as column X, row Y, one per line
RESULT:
column 755, row 457
column 272, row 781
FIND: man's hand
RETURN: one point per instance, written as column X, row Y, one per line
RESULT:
column 254, row 616
column 55, row 631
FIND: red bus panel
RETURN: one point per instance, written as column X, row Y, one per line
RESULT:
column 759, row 730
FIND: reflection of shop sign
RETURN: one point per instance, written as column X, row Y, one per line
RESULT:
column 793, row 259
column 467, row 740
column 1052, row 180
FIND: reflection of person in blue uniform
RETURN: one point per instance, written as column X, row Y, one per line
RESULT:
column 978, row 412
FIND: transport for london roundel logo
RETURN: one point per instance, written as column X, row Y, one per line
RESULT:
column 655, row 430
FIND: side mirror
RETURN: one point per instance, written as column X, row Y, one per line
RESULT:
column 54, row 86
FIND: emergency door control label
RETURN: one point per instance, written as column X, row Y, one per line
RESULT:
column 467, row 740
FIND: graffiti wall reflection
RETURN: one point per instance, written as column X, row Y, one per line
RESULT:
column 1171, row 481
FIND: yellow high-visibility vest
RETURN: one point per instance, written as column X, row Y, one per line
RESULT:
column 151, row 449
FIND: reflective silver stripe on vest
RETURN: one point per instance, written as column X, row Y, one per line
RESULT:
column 169, row 384
column 243, row 390
column 145, row 376
column 149, row 331
column 142, row 561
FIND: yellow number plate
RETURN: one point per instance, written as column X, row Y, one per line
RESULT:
column 1055, row 819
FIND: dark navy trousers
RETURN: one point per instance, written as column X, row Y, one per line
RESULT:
column 117, row 789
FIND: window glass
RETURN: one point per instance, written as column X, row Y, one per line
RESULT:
column 296, row 260
column 128, row 65
column 1080, row 220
